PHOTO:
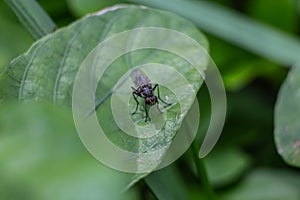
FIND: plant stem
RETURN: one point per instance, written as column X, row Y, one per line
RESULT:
column 33, row 17
column 202, row 173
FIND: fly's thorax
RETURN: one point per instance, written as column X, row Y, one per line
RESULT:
column 148, row 91
column 145, row 90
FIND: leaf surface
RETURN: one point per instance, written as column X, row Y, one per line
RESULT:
column 287, row 113
column 42, row 158
column 46, row 72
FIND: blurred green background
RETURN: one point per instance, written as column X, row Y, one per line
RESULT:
column 41, row 156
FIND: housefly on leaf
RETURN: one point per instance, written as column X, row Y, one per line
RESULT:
column 143, row 88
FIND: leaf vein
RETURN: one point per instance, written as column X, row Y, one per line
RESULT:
column 26, row 71
column 62, row 64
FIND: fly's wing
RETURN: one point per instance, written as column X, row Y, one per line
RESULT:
column 139, row 78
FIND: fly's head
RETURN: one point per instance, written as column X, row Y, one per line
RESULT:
column 151, row 100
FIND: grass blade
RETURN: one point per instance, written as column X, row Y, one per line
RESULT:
column 33, row 17
column 235, row 28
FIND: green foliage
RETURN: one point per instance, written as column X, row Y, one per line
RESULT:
column 13, row 38
column 287, row 112
column 282, row 15
column 166, row 184
column 225, row 165
column 41, row 156
column 233, row 27
column 266, row 184
column 33, row 17
column 59, row 55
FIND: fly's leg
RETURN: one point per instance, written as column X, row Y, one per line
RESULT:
column 137, row 102
column 147, row 115
column 158, row 107
column 157, row 86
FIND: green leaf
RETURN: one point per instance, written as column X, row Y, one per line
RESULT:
column 166, row 184
column 33, row 17
column 241, row 73
column 297, row 4
column 287, row 113
column 266, row 184
column 42, row 158
column 224, row 166
column 14, row 40
column 47, row 71
column 281, row 13
column 234, row 28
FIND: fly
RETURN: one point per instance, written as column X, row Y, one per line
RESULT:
column 143, row 88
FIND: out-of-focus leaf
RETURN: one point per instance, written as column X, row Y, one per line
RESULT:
column 82, row 7
column 33, row 17
column 226, row 165
column 287, row 115
column 280, row 13
column 225, row 54
column 13, row 41
column 239, row 74
column 235, row 28
column 240, row 129
column 58, row 10
column 166, row 184
column 266, row 184
column 297, row 4
column 42, row 158
column 47, row 71
column 54, row 8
